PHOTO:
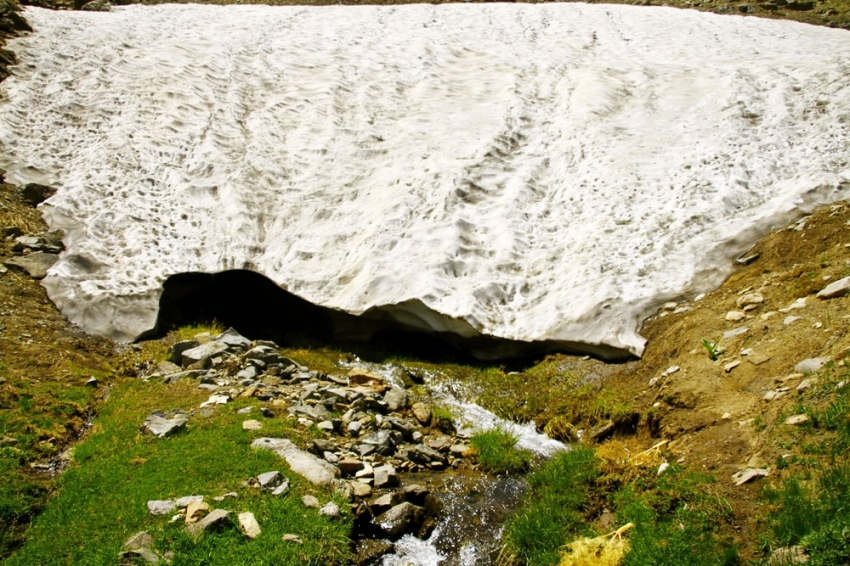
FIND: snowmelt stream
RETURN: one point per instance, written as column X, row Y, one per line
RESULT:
column 530, row 172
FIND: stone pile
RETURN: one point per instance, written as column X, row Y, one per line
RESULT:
column 372, row 431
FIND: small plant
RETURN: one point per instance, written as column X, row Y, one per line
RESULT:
column 497, row 452
column 711, row 348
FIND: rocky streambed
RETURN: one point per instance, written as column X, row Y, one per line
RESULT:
column 408, row 474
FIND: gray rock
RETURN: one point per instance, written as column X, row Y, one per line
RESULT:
column 750, row 299
column 281, row 489
column 184, row 502
column 266, row 354
column 403, row 518
column 385, row 476
column 381, row 441
column 142, row 539
column 161, row 507
column 401, row 425
column 162, row 424
column 810, row 365
column 354, row 427
column 202, row 353
column 217, row 519
column 330, row 510
column 315, row 470
column 249, row 372
column 416, row 493
column 326, row 426
column 270, row 480
column 180, row 347
column 360, row 489
column 729, row 334
column 835, row 289
column 386, row 502
column 35, row 264
column 795, row 420
column 233, row 339
column 396, row 399
column 331, row 458
column 293, row 539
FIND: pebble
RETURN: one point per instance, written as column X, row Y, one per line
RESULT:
column 790, row 319
column 252, row 425
column 310, row 501
column 797, row 420
column 731, row 365
column 735, row 316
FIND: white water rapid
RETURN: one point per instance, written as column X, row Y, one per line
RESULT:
column 531, row 172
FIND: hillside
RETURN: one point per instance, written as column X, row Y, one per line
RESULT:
column 715, row 416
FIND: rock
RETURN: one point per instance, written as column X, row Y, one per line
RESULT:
column 216, row 400
column 386, row 502
column 354, row 428
column 196, row 510
column 790, row 319
column 97, row 6
column 202, row 353
column 314, row 469
column 422, row 412
column 266, row 412
column 249, row 525
column 404, row 427
column 161, row 424
column 281, row 489
column 441, row 443
column 142, row 539
column 797, row 420
column 403, row 518
column 810, row 365
column 835, row 289
column 788, row 555
column 800, row 6
column 368, row 551
column 735, row 316
column 798, row 304
column 217, row 519
column 603, row 431
column 806, row 384
column 748, row 475
column 252, row 425
column 380, row 442
column 165, row 368
column 331, row 458
column 35, row 264
column 310, row 501
column 91, row 382
column 184, row 502
column 349, row 466
column 361, row 376
column 756, row 358
column 326, row 426
column 146, row 554
column 270, row 480
column 248, row 373
column 35, row 194
column 396, row 399
column 750, row 299
column 360, row 489
column 330, row 510
column 233, row 339
column 416, row 493
column 729, row 334
column 385, row 476
column 731, row 365
column 180, row 347
column 293, row 539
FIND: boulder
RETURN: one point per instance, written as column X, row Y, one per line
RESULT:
column 202, row 353
column 385, row 476
column 249, row 525
column 401, row 519
column 396, row 399
column 215, row 520
column 35, row 264
column 161, row 424
column 315, row 470
column 422, row 412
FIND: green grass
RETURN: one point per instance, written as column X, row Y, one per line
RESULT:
column 678, row 521
column 497, row 452
column 553, row 513
column 102, row 498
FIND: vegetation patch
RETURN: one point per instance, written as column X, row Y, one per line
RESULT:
column 102, row 498
column 497, row 452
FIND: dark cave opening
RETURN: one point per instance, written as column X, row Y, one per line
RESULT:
column 261, row 310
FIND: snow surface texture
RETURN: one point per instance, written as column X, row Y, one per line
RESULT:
column 531, row 172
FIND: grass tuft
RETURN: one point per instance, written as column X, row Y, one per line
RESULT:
column 497, row 452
